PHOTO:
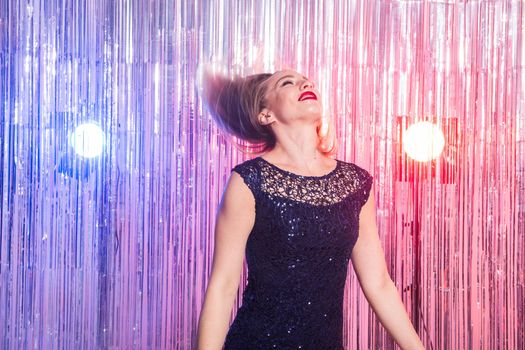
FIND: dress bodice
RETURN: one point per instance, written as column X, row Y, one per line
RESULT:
column 297, row 255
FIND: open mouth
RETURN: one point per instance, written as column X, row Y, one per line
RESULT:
column 307, row 95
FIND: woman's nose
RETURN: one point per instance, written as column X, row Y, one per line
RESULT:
column 307, row 84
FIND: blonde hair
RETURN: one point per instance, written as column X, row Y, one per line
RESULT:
column 235, row 105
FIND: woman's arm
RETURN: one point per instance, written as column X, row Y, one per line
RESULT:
column 235, row 219
column 369, row 264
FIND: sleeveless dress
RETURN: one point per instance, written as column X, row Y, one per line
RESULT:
column 297, row 255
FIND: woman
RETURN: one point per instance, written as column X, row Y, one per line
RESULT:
column 300, row 216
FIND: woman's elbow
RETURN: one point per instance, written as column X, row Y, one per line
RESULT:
column 378, row 284
column 223, row 288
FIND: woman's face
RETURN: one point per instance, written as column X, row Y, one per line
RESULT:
column 291, row 96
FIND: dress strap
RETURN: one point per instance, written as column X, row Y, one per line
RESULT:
column 250, row 173
column 365, row 180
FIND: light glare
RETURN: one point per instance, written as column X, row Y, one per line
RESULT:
column 87, row 140
column 423, row 141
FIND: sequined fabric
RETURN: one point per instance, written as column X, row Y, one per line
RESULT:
column 297, row 254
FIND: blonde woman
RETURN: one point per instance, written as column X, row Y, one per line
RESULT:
column 299, row 216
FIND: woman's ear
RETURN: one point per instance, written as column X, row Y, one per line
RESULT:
column 265, row 118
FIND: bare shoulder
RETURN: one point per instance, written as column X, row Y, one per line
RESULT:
column 235, row 220
column 237, row 196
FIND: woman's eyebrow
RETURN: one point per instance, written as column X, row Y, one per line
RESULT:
column 288, row 76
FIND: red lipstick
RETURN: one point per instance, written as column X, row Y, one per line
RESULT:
column 307, row 95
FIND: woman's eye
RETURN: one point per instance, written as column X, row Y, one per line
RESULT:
column 286, row 82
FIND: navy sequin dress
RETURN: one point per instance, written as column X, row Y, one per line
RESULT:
column 297, row 254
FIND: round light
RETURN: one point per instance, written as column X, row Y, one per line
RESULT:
column 423, row 141
column 87, row 140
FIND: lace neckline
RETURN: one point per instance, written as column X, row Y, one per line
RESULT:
column 302, row 176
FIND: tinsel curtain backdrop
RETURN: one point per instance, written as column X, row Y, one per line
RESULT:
column 115, row 251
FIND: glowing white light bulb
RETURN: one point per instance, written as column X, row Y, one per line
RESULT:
column 87, row 140
column 423, row 141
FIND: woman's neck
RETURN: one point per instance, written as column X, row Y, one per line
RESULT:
column 297, row 147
